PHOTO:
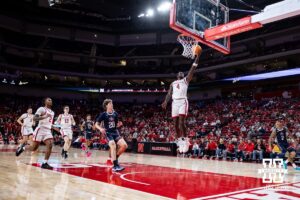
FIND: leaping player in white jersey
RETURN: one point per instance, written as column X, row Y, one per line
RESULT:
column 26, row 122
column 44, row 115
column 66, row 121
column 180, row 105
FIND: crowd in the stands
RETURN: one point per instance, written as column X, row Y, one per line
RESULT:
column 237, row 128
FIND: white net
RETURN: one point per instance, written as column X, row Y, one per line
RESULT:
column 188, row 44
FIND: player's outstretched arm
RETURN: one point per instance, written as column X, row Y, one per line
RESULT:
column 190, row 75
column 168, row 97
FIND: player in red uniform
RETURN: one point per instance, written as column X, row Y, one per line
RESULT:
column 44, row 115
column 26, row 122
column 66, row 121
column 178, row 93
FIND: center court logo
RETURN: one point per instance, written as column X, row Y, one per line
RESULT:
column 272, row 171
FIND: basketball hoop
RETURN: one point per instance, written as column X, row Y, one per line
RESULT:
column 188, row 44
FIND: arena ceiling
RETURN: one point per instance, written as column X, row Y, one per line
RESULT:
column 117, row 15
column 32, row 53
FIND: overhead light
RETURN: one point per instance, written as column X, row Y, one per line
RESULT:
column 150, row 13
column 163, row 7
column 53, row 2
column 46, row 77
column 128, row 83
column 123, row 62
column 4, row 81
column 141, row 15
column 23, row 83
column 12, row 82
column 162, row 83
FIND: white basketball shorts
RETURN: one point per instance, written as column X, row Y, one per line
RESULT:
column 42, row 134
column 180, row 107
column 67, row 132
column 26, row 131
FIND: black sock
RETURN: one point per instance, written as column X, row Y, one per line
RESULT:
column 117, row 157
column 115, row 162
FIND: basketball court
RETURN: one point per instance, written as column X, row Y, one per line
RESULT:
column 145, row 177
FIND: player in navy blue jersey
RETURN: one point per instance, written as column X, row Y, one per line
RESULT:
column 280, row 134
column 111, row 122
column 87, row 128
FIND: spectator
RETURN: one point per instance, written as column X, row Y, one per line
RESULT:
column 248, row 150
column 196, row 149
column 211, row 148
column 259, row 150
column 134, row 140
column 275, row 151
column 230, row 150
column 103, row 143
column 221, row 149
column 5, row 138
column 240, row 151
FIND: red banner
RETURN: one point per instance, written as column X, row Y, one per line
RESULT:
column 231, row 28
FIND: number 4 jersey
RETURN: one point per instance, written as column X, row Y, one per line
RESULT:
column 180, row 88
column 180, row 104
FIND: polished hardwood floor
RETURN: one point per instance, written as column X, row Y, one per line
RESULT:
column 145, row 177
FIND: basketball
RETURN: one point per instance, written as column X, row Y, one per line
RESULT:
column 173, row 99
column 197, row 50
